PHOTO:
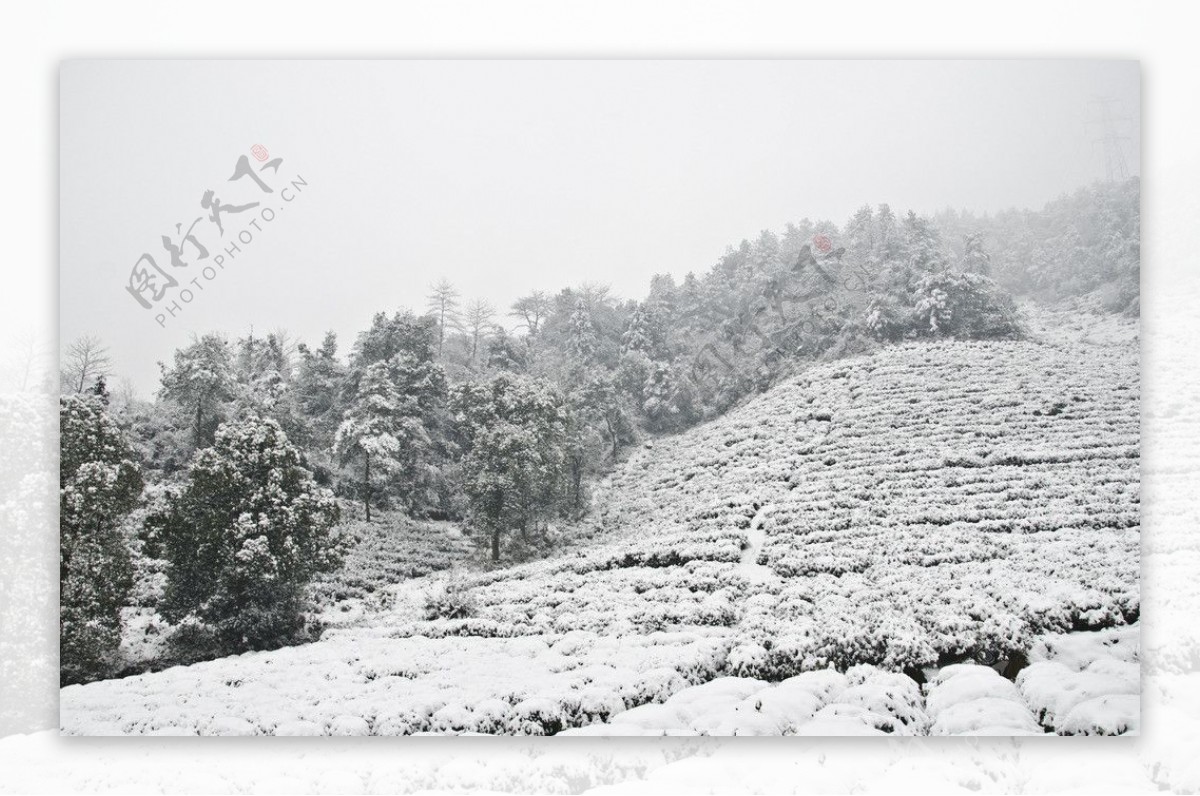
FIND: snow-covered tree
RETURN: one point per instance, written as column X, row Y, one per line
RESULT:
column 479, row 322
column 975, row 258
column 514, row 433
column 643, row 333
column 243, row 538
column 505, row 352
column 860, row 236
column 200, row 381
column 318, row 387
column 83, row 362
column 888, row 240
column 442, row 305
column 395, row 392
column 532, row 310
column 372, row 431
column 99, row 483
column 582, row 342
column 922, row 245
column 966, row 305
column 263, row 372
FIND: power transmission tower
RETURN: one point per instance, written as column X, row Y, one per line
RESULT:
column 1111, row 137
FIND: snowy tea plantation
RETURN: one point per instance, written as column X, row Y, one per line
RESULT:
column 936, row 538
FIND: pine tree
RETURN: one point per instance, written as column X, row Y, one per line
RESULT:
column 887, row 238
column 442, row 305
column 582, row 339
column 860, row 237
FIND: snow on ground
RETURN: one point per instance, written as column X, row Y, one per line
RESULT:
column 583, row 684
column 748, row 565
column 364, row 685
column 927, row 504
column 1086, row 684
column 964, row 699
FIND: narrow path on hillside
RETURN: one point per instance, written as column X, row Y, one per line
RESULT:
column 756, row 537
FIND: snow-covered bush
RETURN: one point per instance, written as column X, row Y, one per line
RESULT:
column 964, row 305
column 451, row 600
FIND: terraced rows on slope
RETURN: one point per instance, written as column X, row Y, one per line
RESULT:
column 907, row 509
column 923, row 503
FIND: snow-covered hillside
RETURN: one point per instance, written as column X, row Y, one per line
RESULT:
column 924, row 506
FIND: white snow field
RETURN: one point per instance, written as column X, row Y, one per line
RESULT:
column 944, row 509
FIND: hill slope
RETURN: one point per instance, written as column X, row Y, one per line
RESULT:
column 908, row 509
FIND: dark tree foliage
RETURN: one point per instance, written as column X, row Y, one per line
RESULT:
column 99, row 483
column 513, row 434
column 200, row 383
column 393, row 412
column 243, row 537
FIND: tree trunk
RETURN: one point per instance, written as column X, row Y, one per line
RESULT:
column 442, row 329
column 577, row 482
column 199, row 427
column 367, row 484
column 497, row 512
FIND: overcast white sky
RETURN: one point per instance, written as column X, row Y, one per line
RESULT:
column 509, row 176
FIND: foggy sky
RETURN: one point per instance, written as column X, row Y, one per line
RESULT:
column 510, row 176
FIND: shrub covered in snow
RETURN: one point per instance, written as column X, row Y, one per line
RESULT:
column 450, row 600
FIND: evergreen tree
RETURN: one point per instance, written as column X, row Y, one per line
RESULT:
column 320, row 381
column 975, row 258
column 372, row 431
column 99, row 483
column 532, row 311
column 243, row 538
column 582, row 340
column 504, row 352
column 514, row 433
column 395, row 398
column 263, row 375
column 200, row 382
